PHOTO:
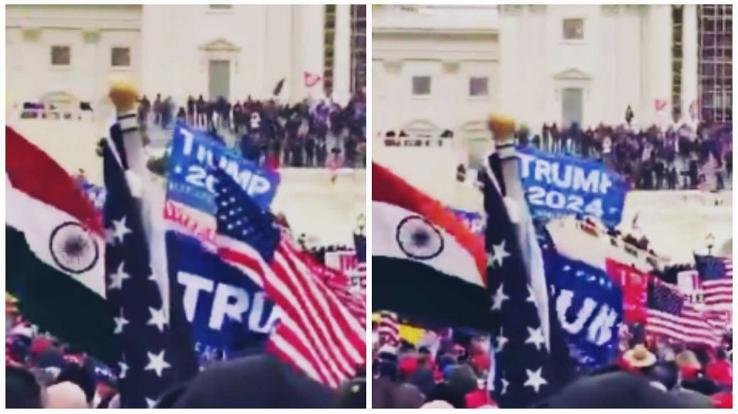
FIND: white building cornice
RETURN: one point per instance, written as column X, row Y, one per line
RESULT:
column 220, row 45
column 572, row 74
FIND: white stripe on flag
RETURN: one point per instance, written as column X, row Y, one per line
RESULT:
column 317, row 334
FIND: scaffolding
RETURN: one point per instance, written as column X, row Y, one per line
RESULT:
column 715, row 62
column 358, row 48
column 329, row 41
column 677, row 62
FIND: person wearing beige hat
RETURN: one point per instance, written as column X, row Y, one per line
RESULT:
column 639, row 357
column 688, row 359
column 689, row 366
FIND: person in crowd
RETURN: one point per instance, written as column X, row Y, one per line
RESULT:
column 158, row 109
column 720, row 370
column 304, row 134
column 237, row 117
column 334, row 162
column 190, row 110
column 350, row 147
column 21, row 389
column 226, row 114
column 65, row 394
column 144, row 109
column 310, row 150
column 274, row 384
column 167, row 112
column 200, row 107
column 181, row 115
column 209, row 112
column 652, row 158
column 452, row 372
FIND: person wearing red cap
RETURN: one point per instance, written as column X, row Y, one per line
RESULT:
column 407, row 366
column 720, row 370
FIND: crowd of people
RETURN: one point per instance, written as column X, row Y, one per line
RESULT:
column 306, row 134
column 454, row 374
column 45, row 372
column 678, row 157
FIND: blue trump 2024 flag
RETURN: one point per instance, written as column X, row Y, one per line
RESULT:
column 194, row 158
column 557, row 184
column 228, row 314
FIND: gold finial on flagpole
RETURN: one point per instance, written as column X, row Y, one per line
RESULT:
column 501, row 126
column 123, row 93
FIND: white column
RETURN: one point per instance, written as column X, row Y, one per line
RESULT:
column 657, row 61
column 342, row 56
column 689, row 62
column 511, row 60
column 307, row 50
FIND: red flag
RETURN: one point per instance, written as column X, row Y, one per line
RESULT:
column 311, row 79
column 634, row 285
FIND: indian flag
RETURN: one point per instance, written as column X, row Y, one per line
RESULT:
column 55, row 250
column 426, row 265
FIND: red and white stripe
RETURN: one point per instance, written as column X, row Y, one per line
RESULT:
column 340, row 284
column 317, row 333
column 718, row 294
column 691, row 327
column 388, row 330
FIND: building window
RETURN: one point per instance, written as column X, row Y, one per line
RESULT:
column 120, row 57
column 421, row 85
column 573, row 29
column 61, row 55
column 478, row 86
column 221, row 6
column 715, row 54
column 358, row 48
column 329, row 41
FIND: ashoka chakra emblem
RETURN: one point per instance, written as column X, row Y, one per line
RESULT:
column 73, row 248
column 419, row 238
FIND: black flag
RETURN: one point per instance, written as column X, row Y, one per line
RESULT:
column 278, row 88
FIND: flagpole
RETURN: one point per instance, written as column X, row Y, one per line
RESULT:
column 150, row 197
column 502, row 129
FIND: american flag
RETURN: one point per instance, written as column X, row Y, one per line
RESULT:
column 388, row 329
column 317, row 334
column 145, row 368
column 523, row 368
column 340, row 284
column 716, row 275
column 671, row 315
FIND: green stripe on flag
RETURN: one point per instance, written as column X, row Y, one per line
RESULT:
column 58, row 303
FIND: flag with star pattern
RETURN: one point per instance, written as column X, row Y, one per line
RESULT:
column 523, row 371
column 134, row 296
column 317, row 332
